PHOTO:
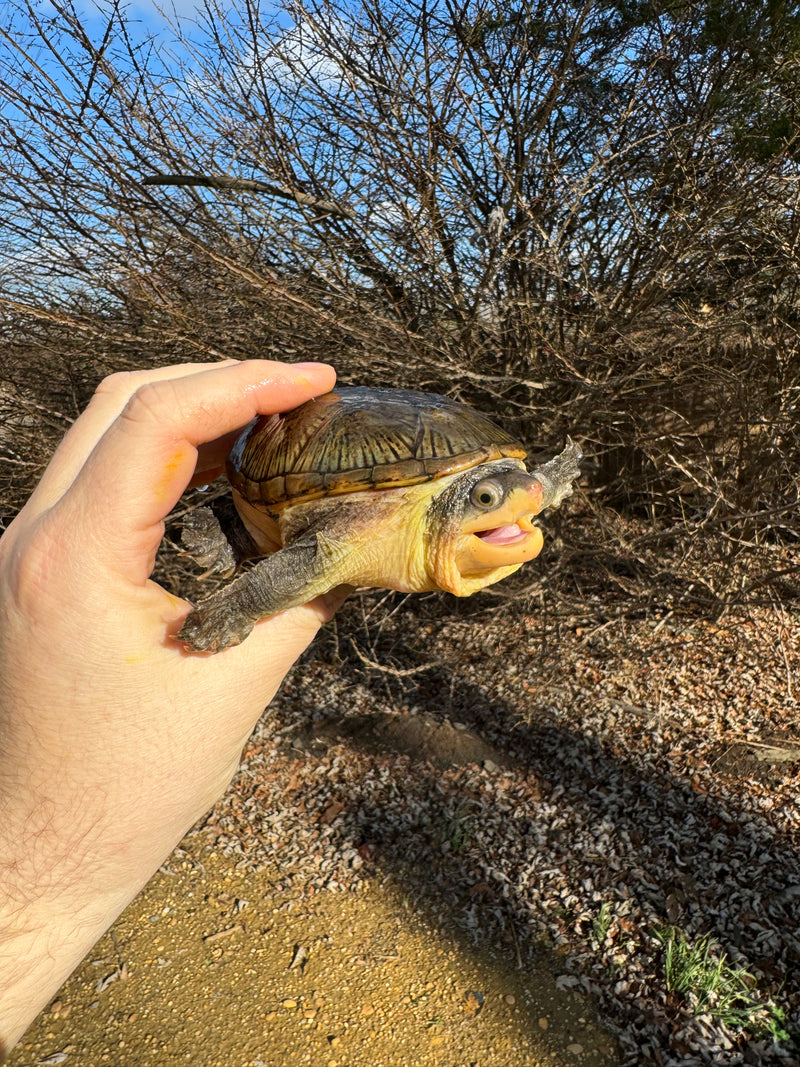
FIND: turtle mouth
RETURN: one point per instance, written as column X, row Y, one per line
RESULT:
column 511, row 534
column 508, row 545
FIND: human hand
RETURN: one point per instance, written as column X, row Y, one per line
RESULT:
column 113, row 739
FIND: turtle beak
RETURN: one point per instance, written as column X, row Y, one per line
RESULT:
column 531, row 497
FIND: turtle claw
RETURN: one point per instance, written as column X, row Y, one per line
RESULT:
column 212, row 627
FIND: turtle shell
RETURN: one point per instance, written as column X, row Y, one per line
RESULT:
column 358, row 438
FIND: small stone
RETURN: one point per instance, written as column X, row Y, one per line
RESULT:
column 332, row 812
column 510, row 999
column 299, row 957
column 289, row 1003
column 544, row 1023
column 575, row 1049
column 368, row 1009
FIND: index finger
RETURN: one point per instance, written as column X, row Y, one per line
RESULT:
column 138, row 470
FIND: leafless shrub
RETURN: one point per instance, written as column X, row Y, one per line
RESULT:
column 582, row 216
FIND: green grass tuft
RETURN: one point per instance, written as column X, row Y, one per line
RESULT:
column 602, row 924
column 713, row 987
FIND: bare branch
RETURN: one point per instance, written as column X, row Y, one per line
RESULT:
column 250, row 185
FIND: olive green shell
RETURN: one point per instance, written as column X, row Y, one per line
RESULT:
column 360, row 438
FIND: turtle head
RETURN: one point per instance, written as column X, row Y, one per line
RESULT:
column 481, row 526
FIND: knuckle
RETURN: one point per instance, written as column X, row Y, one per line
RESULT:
column 33, row 570
column 151, row 402
column 121, row 384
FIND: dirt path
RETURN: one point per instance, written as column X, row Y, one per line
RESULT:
column 199, row 971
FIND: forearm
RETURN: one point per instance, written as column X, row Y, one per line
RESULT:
column 113, row 741
column 69, row 864
column 53, row 908
column 40, row 945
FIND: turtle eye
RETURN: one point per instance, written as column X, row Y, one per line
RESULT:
column 487, row 495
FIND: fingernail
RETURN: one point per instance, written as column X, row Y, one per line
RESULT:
column 311, row 366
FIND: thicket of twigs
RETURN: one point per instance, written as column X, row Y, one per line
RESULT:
column 582, row 217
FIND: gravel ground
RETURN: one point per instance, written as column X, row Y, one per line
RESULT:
column 579, row 795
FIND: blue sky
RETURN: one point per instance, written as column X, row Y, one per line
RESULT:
column 153, row 17
column 149, row 11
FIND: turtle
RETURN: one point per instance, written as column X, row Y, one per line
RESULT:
column 368, row 487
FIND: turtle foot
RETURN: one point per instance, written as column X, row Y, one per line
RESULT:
column 558, row 475
column 204, row 540
column 213, row 626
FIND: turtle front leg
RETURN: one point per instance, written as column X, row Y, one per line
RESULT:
column 292, row 576
column 558, row 474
